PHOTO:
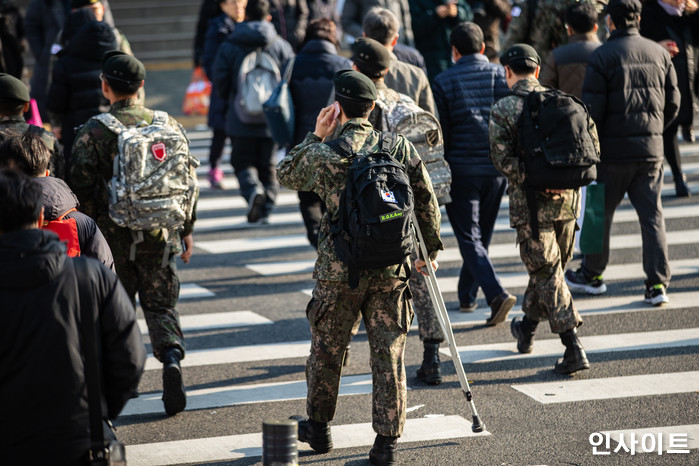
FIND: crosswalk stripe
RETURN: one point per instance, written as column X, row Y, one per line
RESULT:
column 611, row 387
column 236, row 354
column 250, row 445
column 193, row 291
column 496, row 251
column 217, row 320
column 218, row 203
column 231, row 395
column 552, row 347
column 240, row 222
column 590, row 306
column 613, row 272
column 227, row 246
column 668, row 439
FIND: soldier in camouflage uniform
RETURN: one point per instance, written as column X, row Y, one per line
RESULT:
column 14, row 103
column 373, row 60
column 382, row 296
column 547, row 29
column 157, row 285
column 547, row 296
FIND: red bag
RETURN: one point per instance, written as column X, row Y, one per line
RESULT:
column 196, row 99
column 67, row 231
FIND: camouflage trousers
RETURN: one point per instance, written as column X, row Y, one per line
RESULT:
column 547, row 295
column 427, row 322
column 158, row 289
column 384, row 305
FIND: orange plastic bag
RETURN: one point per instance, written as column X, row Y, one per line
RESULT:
column 196, row 99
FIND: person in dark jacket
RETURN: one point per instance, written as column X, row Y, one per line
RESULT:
column 43, row 20
column 630, row 121
column 14, row 103
column 41, row 362
column 311, row 86
column 208, row 10
column 674, row 24
column 354, row 12
column 565, row 66
column 29, row 154
column 252, row 145
column 75, row 93
column 290, row 18
column 12, row 39
column 433, row 21
column 464, row 94
column 219, row 29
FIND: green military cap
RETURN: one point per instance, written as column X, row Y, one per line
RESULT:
column 520, row 52
column 75, row 4
column 354, row 85
column 628, row 8
column 12, row 88
column 122, row 67
column 370, row 55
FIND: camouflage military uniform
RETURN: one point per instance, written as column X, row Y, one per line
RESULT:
column 548, row 30
column 547, row 295
column 157, row 286
column 15, row 125
column 382, row 296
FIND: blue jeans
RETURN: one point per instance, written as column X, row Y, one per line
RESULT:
column 472, row 213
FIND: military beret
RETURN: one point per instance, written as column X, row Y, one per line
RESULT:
column 370, row 55
column 354, row 85
column 75, row 4
column 12, row 88
column 520, row 53
column 122, row 67
column 628, row 8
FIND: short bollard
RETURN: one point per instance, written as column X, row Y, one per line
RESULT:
column 279, row 447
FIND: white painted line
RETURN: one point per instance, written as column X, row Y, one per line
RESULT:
column 250, row 445
column 236, row 354
column 212, row 321
column 668, row 439
column 611, row 387
column 227, row 246
column 206, row 204
column 192, row 291
column 218, row 397
column 552, row 347
column 613, row 272
column 282, row 268
column 240, row 222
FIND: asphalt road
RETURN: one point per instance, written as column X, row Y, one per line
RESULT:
column 249, row 366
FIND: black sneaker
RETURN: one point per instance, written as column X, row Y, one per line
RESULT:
column 316, row 434
column 578, row 281
column 256, row 205
column 656, row 296
column 499, row 308
column 174, row 395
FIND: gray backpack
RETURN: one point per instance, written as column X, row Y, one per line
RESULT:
column 258, row 76
column 153, row 185
column 423, row 130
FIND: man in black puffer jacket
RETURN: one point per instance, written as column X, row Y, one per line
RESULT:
column 631, row 89
column 45, row 417
column 28, row 154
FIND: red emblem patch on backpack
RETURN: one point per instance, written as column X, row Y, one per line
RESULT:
column 159, row 151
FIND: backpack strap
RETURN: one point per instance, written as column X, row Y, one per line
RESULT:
column 111, row 122
column 160, row 118
column 387, row 142
column 341, row 146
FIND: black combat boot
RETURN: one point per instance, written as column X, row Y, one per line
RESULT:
column 314, row 433
column 430, row 372
column 174, row 396
column 384, row 451
column 523, row 330
column 574, row 358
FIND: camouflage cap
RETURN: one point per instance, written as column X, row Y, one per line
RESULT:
column 369, row 54
column 75, row 4
column 12, row 88
column 520, row 52
column 624, row 8
column 122, row 67
column 354, row 85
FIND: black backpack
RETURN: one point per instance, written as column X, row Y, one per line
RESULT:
column 555, row 144
column 373, row 229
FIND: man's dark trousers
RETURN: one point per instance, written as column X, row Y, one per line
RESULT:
column 472, row 213
column 254, row 166
column 643, row 181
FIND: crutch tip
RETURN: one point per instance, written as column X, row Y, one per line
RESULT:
column 477, row 426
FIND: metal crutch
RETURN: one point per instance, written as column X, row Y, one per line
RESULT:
column 443, row 317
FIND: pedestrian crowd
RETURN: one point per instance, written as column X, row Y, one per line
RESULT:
column 400, row 107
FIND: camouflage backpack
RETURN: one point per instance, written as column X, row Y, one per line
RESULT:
column 422, row 129
column 153, row 186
